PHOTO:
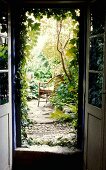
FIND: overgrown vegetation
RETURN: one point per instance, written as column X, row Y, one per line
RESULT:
column 57, row 57
column 59, row 142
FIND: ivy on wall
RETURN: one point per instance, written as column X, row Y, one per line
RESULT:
column 26, row 26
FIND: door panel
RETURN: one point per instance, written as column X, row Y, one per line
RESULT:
column 94, row 142
column 4, row 142
column 5, row 91
column 95, row 83
column 4, row 122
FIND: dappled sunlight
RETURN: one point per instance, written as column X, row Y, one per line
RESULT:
column 46, row 130
column 51, row 72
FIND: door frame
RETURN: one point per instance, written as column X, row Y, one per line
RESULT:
column 10, row 85
column 82, row 34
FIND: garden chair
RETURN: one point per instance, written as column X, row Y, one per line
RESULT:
column 45, row 89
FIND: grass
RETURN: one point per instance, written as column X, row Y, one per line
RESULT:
column 61, row 116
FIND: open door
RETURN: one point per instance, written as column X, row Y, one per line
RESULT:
column 5, row 91
column 95, row 88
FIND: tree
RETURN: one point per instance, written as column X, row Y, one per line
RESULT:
column 61, row 50
column 61, row 47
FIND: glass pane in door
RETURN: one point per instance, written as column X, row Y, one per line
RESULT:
column 97, row 21
column 3, row 54
column 3, row 88
column 3, row 57
column 96, row 53
column 95, row 89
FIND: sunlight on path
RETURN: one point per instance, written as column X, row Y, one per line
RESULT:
column 46, row 130
column 40, row 114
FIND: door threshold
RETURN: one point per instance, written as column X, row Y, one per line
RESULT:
column 45, row 157
column 52, row 149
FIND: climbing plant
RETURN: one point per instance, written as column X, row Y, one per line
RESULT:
column 29, row 30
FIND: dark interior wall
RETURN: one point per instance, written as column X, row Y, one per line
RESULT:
column 35, row 1
column 32, row 2
column 30, row 160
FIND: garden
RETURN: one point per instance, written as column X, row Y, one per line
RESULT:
column 49, row 53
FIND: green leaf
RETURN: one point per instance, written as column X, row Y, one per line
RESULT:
column 72, row 41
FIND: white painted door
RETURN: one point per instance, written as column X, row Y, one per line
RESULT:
column 5, row 93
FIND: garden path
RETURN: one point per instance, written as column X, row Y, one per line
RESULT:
column 45, row 129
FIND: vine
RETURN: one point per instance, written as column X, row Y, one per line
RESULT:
column 27, row 26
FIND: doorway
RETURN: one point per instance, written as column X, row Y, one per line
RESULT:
column 64, row 100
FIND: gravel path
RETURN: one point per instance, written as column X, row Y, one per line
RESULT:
column 44, row 128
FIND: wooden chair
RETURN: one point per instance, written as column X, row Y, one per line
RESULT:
column 44, row 91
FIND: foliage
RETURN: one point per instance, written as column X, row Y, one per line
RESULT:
column 3, row 76
column 24, row 28
column 60, row 142
column 67, row 115
column 41, row 71
column 3, row 56
column 32, row 90
column 60, row 116
column 30, row 28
